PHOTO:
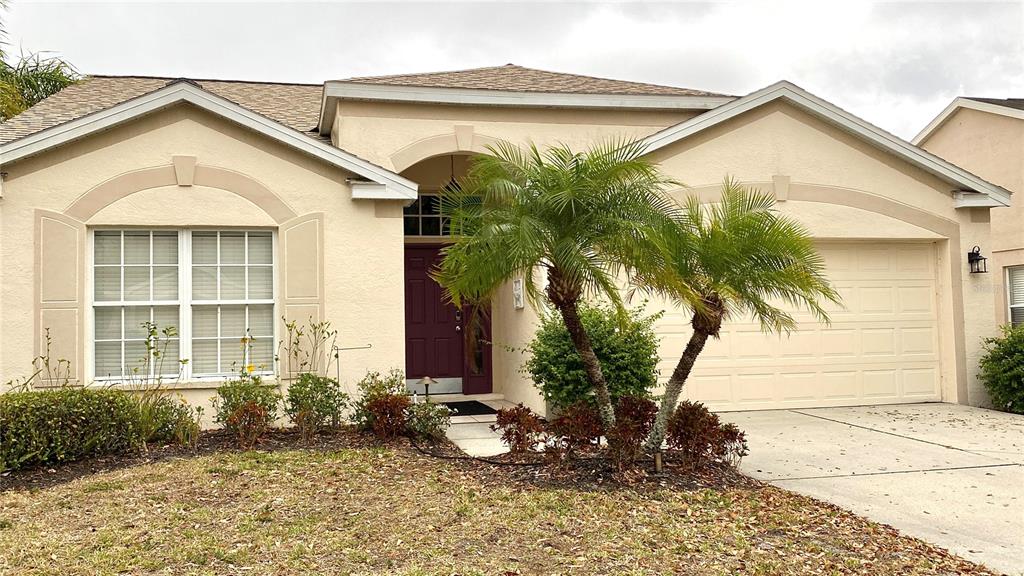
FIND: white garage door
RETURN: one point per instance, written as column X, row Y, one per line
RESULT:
column 881, row 348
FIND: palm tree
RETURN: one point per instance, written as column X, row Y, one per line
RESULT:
column 30, row 79
column 581, row 218
column 732, row 258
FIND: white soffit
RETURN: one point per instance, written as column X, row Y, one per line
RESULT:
column 799, row 97
column 394, row 186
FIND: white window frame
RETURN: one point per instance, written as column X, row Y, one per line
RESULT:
column 1010, row 306
column 184, row 301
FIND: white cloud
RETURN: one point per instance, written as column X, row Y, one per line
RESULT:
column 894, row 64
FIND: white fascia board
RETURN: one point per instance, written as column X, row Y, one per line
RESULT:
column 837, row 117
column 962, row 199
column 335, row 90
column 397, row 186
column 961, row 102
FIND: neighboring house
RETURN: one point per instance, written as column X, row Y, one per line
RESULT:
column 986, row 136
column 222, row 206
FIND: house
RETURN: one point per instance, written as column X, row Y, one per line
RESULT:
column 986, row 136
column 221, row 207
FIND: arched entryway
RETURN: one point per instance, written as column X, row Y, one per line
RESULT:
column 449, row 344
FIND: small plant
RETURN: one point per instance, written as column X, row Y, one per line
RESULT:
column 387, row 415
column 634, row 417
column 310, row 348
column 575, row 428
column 1002, row 369
column 521, row 428
column 314, row 403
column 189, row 427
column 249, row 422
column 45, row 370
column 699, row 435
column 374, row 386
column 247, row 389
column 428, row 421
column 627, row 351
column 160, row 414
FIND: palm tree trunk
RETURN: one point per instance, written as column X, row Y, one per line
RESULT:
column 674, row 387
column 581, row 340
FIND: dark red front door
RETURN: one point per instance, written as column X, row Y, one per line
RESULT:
column 441, row 341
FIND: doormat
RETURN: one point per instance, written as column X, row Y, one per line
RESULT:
column 470, row 408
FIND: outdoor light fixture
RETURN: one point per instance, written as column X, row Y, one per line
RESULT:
column 426, row 381
column 976, row 261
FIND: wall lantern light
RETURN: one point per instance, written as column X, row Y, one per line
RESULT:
column 977, row 262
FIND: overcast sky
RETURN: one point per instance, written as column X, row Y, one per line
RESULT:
column 894, row 64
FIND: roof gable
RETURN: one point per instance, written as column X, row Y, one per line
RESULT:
column 1011, row 107
column 967, row 182
column 388, row 184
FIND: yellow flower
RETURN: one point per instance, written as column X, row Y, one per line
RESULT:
column 250, row 368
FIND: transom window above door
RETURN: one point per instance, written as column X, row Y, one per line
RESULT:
column 424, row 217
column 214, row 288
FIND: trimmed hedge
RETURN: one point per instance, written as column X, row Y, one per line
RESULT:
column 1002, row 369
column 53, row 426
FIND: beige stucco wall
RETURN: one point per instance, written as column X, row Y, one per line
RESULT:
column 991, row 146
column 363, row 296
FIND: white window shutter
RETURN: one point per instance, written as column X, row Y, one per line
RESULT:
column 59, row 288
column 301, row 265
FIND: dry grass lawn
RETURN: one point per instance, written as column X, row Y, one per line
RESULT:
column 391, row 510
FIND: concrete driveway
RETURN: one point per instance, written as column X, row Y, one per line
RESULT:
column 948, row 474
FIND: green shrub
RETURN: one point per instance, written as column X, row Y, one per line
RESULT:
column 237, row 394
column 1002, row 369
column 628, row 355
column 428, row 421
column 373, row 387
column 315, row 402
column 54, row 426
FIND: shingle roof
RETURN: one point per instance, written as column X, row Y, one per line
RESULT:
column 294, row 105
column 513, row 78
column 1017, row 103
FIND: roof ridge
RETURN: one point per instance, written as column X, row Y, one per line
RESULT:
column 475, row 69
column 189, row 78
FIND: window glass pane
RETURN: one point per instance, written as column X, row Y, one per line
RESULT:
column 232, row 322
column 204, row 248
column 204, row 357
column 204, row 321
column 169, row 363
column 413, row 208
column 136, row 283
column 1017, row 315
column 204, row 283
column 134, row 316
column 165, row 283
column 107, row 283
column 1016, row 278
column 261, row 320
column 261, row 355
column 108, row 323
column 260, row 248
column 231, row 354
column 136, row 247
column 431, row 204
column 261, row 282
column 165, row 247
column 108, row 359
column 107, row 247
column 165, row 317
column 134, row 357
column 232, row 283
column 232, row 248
column 431, row 226
column 412, row 226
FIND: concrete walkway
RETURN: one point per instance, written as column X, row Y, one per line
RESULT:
column 948, row 474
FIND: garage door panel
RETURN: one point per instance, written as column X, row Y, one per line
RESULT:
column 881, row 347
